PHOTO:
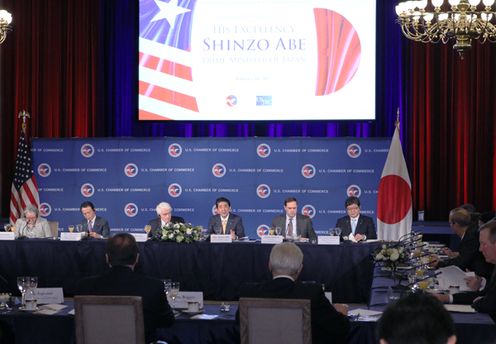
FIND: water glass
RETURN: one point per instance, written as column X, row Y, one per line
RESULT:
column 79, row 228
column 22, row 285
column 278, row 230
column 148, row 229
column 174, row 290
column 167, row 286
column 70, row 228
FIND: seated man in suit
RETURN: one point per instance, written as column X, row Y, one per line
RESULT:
column 122, row 256
column 31, row 225
column 468, row 256
column 225, row 222
column 416, row 318
column 164, row 213
column 95, row 226
column 483, row 299
column 329, row 323
column 290, row 228
column 355, row 226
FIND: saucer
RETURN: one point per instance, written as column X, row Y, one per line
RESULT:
column 28, row 310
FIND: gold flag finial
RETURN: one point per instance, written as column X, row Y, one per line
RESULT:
column 397, row 123
column 24, row 114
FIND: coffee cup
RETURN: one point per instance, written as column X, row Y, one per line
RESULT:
column 193, row 306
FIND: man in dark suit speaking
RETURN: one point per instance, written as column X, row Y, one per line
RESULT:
column 225, row 222
column 355, row 226
column 95, row 226
column 329, row 323
column 164, row 216
column 122, row 256
column 293, row 224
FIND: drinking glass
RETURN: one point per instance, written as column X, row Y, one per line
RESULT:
column 148, row 229
column 338, row 231
column 332, row 232
column 79, row 228
column 174, row 290
column 32, row 282
column 167, row 286
column 71, row 228
column 278, row 230
column 22, row 285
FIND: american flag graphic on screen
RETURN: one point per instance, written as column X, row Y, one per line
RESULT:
column 165, row 58
column 24, row 189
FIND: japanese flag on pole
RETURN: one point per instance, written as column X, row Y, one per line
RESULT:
column 394, row 201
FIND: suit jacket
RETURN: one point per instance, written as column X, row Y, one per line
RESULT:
column 156, row 225
column 233, row 222
column 469, row 256
column 304, row 226
column 365, row 226
column 121, row 280
column 328, row 325
column 487, row 302
column 100, row 226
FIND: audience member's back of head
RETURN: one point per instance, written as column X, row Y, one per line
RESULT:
column 122, row 250
column 286, row 259
column 417, row 318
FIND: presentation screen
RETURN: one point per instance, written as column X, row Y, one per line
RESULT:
column 242, row 60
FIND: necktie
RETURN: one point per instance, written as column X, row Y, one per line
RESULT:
column 353, row 225
column 90, row 227
column 224, row 225
column 290, row 228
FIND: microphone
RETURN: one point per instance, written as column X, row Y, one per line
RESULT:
column 22, row 232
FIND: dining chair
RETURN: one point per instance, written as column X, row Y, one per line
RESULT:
column 275, row 321
column 54, row 228
column 109, row 319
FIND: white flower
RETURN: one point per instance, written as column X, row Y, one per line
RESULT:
column 379, row 256
column 395, row 255
column 188, row 231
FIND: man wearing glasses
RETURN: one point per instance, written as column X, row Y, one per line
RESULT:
column 355, row 226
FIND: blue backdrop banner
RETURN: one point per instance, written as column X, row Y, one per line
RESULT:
column 127, row 177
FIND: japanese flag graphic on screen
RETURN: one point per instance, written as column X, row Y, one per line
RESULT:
column 394, row 201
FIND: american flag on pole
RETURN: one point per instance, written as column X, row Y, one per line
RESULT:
column 24, row 189
column 166, row 83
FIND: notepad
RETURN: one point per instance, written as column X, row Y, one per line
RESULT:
column 460, row 308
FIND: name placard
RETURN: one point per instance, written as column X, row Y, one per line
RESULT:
column 217, row 238
column 7, row 235
column 183, row 297
column 328, row 240
column 272, row 239
column 140, row 237
column 49, row 295
column 68, row 236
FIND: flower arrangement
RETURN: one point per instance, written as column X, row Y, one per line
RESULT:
column 390, row 255
column 180, row 232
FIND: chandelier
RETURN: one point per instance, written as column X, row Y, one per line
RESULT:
column 436, row 21
column 5, row 20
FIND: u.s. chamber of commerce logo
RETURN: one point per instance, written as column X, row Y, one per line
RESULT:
column 354, row 150
column 308, row 171
column 231, row 100
column 308, row 210
column 45, row 209
column 263, row 191
column 262, row 230
column 353, row 190
column 87, row 150
column 44, row 170
column 175, row 190
column 175, row 150
column 131, row 210
column 219, row 170
column 263, row 150
column 131, row 170
column 87, row 190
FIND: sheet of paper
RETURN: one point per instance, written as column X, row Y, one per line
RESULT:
column 364, row 312
column 204, row 316
column 460, row 308
column 50, row 309
column 452, row 276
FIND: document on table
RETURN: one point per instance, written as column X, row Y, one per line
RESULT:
column 459, row 308
column 453, row 276
column 365, row 314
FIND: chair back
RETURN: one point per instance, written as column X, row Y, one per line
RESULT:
column 54, row 228
column 275, row 321
column 109, row 320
